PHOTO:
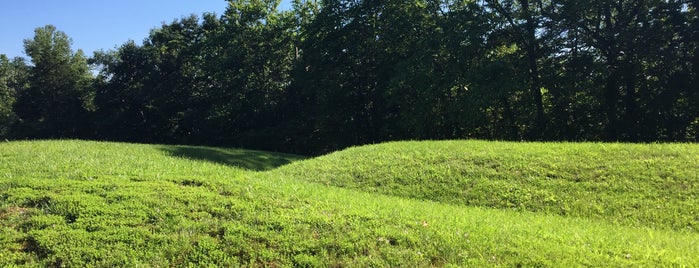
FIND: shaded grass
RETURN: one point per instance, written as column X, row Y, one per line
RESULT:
column 73, row 203
column 244, row 159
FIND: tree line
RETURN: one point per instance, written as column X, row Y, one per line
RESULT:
column 330, row 74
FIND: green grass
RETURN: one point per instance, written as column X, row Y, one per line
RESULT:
column 653, row 185
column 408, row 204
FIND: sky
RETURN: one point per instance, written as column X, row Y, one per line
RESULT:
column 94, row 24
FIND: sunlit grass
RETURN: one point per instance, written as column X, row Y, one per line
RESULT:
column 463, row 203
column 653, row 185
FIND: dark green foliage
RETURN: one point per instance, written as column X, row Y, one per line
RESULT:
column 198, row 81
column 332, row 74
column 7, row 97
column 58, row 98
column 13, row 78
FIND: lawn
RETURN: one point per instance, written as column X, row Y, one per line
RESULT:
column 408, row 204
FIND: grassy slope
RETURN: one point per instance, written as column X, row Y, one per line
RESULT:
column 398, row 204
column 654, row 185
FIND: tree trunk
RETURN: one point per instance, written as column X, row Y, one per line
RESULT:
column 510, row 120
column 535, row 87
column 612, row 96
column 631, row 116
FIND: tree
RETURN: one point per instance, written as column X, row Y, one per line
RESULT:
column 13, row 78
column 204, row 81
column 646, row 51
column 121, row 98
column 251, row 73
column 59, row 96
column 332, row 74
column 524, row 19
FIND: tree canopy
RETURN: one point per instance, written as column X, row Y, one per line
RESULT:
column 331, row 74
column 58, row 97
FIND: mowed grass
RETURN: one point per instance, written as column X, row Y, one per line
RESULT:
column 409, row 204
column 653, row 185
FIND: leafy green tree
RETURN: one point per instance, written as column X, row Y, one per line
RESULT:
column 331, row 74
column 210, row 80
column 13, row 78
column 365, row 70
column 120, row 93
column 250, row 61
column 59, row 97
column 522, row 19
column 156, row 92
column 644, row 52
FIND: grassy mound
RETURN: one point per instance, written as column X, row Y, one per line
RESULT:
column 653, row 185
column 75, row 203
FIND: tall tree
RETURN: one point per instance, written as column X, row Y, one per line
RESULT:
column 59, row 94
column 331, row 74
column 631, row 40
column 210, row 80
column 7, row 97
column 256, row 59
column 121, row 98
column 13, row 78
column 523, row 19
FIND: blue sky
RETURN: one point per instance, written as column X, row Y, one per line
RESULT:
column 94, row 24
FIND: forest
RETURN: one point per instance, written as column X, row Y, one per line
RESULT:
column 331, row 74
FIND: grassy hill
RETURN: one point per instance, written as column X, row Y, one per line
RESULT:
column 461, row 203
column 652, row 185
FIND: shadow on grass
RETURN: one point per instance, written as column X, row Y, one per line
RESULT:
column 245, row 159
